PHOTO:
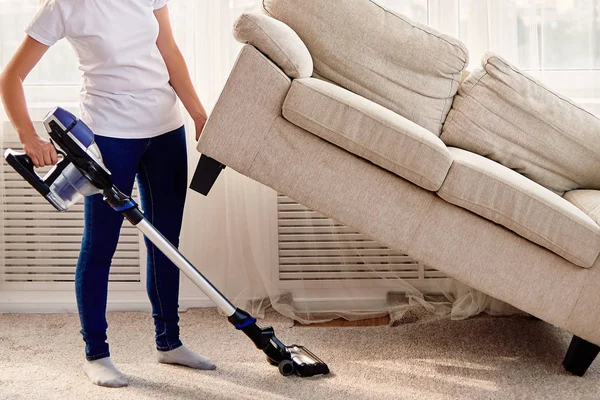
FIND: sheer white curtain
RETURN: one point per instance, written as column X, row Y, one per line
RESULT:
column 235, row 228
column 554, row 40
column 232, row 234
column 224, row 234
column 557, row 41
column 203, row 32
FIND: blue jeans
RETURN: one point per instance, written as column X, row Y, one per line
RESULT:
column 160, row 165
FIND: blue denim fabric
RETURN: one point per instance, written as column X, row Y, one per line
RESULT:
column 160, row 166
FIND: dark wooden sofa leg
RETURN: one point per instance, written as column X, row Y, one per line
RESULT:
column 580, row 356
column 206, row 174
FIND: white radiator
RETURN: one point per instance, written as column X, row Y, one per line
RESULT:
column 41, row 245
column 39, row 248
column 316, row 252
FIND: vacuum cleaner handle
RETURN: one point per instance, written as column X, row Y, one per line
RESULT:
column 22, row 163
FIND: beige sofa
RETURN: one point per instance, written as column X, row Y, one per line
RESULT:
column 360, row 114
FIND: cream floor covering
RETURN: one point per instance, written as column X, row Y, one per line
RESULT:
column 480, row 358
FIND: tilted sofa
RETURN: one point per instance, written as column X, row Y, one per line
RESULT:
column 361, row 114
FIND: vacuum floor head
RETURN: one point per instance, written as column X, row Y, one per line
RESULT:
column 289, row 359
column 299, row 360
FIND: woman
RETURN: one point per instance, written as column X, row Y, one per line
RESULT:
column 133, row 72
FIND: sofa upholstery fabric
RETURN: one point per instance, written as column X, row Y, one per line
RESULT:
column 401, row 65
column 504, row 196
column 368, row 130
column 247, row 133
column 277, row 41
column 587, row 201
column 256, row 109
column 507, row 116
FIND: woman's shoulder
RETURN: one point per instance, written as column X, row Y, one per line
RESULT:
column 62, row 5
column 71, row 6
column 69, row 9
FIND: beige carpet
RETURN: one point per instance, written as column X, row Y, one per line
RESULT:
column 481, row 358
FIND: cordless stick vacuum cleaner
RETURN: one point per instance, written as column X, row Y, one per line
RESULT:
column 81, row 172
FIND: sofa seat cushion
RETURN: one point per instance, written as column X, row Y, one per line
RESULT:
column 368, row 130
column 587, row 201
column 402, row 65
column 506, row 197
column 510, row 117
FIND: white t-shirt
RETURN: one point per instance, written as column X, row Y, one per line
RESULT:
column 126, row 91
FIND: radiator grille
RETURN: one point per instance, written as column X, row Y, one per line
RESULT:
column 42, row 245
column 313, row 247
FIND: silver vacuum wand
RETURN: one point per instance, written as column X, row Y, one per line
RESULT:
column 81, row 172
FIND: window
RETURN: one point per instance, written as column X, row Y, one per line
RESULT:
column 558, row 41
column 56, row 80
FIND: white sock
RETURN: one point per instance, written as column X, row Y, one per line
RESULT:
column 184, row 356
column 102, row 372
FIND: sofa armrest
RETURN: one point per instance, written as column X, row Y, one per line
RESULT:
column 246, row 110
column 277, row 41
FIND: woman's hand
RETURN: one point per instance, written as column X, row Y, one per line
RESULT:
column 41, row 152
column 199, row 123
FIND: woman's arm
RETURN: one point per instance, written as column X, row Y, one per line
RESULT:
column 30, row 52
column 178, row 71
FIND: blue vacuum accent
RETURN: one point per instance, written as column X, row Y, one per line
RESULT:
column 76, row 127
column 124, row 207
column 83, row 134
column 246, row 323
column 64, row 117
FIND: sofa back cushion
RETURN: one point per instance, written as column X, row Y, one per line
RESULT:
column 382, row 56
column 507, row 116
